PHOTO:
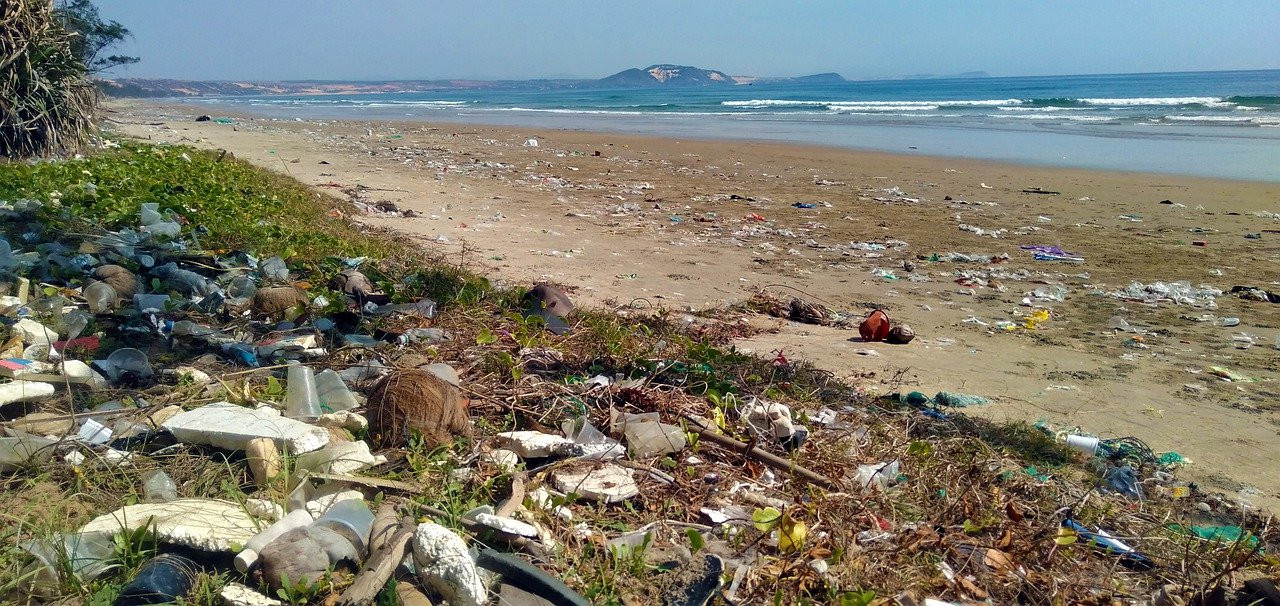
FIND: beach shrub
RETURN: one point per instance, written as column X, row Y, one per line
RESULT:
column 46, row 98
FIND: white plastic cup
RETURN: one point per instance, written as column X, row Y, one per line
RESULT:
column 100, row 296
column 1085, row 444
column 301, row 399
column 333, row 391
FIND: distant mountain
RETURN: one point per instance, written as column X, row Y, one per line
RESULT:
column 660, row 75
column 664, row 74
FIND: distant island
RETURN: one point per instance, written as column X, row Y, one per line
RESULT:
column 655, row 76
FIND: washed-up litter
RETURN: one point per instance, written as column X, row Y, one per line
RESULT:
column 1180, row 293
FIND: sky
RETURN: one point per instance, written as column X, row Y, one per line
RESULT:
column 501, row 39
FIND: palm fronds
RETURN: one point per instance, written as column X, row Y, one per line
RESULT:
column 46, row 98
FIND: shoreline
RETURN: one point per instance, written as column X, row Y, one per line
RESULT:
column 655, row 219
column 177, row 104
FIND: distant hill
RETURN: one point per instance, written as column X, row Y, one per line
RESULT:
column 659, row 75
column 664, row 74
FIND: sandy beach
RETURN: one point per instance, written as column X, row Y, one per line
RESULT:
column 692, row 226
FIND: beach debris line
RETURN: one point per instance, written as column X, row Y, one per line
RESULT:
column 568, row 448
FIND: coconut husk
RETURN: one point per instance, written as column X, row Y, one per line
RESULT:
column 272, row 302
column 900, row 335
column 119, row 279
column 416, row 400
column 809, row 313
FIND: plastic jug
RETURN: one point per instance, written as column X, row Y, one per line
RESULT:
column 351, row 519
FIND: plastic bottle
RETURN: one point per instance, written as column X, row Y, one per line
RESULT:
column 162, row 580
column 350, row 518
column 158, row 487
column 86, row 557
column 333, row 392
column 302, row 401
column 100, row 296
column 248, row 557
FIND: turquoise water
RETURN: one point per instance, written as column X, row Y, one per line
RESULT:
column 1218, row 124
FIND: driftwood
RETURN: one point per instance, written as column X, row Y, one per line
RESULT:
column 380, row 566
column 772, row 460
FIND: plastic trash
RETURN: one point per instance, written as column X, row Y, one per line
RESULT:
column 126, row 363
column 162, row 580
column 85, row 557
column 100, row 296
column 242, row 287
column 22, row 448
column 248, row 557
column 333, row 393
column 650, row 438
column 158, row 487
column 1100, row 539
column 958, row 400
column 1124, row 480
column 352, row 519
column 150, row 303
column 1228, row 322
column 274, row 270
column 185, row 281
column 301, row 399
column 94, row 432
column 882, row 475
column 1085, row 444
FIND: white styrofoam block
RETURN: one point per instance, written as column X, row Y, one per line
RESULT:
column 204, row 524
column 231, row 427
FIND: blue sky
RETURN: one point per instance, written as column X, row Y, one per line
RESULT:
column 407, row 39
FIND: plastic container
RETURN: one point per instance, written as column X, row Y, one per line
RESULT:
column 248, row 557
column 274, row 270
column 94, row 432
column 302, row 401
column 162, row 580
column 85, row 557
column 648, row 439
column 158, row 487
column 350, row 518
column 128, row 360
column 21, row 449
column 100, row 296
column 1085, row 444
column 150, row 303
column 333, row 392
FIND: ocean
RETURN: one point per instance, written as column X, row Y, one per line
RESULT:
column 1215, row 124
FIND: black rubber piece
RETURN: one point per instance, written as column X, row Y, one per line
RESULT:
column 515, row 571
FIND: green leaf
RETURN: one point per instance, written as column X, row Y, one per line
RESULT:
column 971, row 528
column 920, row 448
column 486, row 337
column 696, row 542
column 764, row 519
column 857, row 598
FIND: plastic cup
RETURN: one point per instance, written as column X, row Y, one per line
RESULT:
column 1085, row 444
column 100, row 296
column 333, row 392
column 302, row 401
column 128, row 359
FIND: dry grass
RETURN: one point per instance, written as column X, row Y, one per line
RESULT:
column 46, row 99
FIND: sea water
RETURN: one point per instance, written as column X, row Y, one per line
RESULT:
column 1218, row 124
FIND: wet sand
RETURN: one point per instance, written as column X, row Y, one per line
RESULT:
column 694, row 225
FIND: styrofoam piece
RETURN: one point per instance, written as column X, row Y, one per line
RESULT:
column 225, row 425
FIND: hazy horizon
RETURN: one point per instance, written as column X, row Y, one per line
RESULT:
column 508, row 40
